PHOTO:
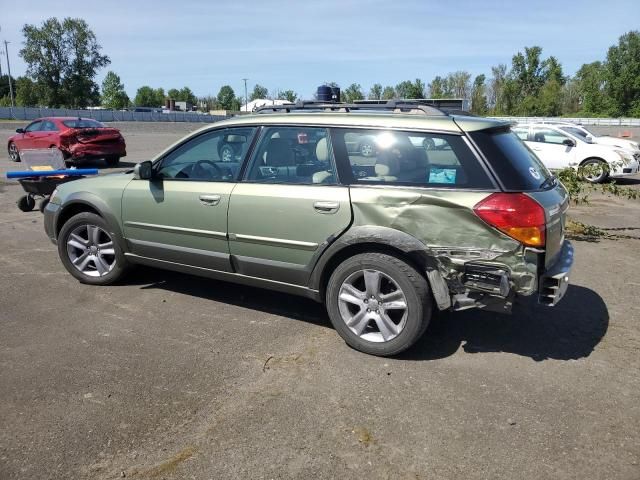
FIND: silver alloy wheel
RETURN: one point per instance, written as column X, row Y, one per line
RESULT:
column 13, row 152
column 366, row 149
column 594, row 171
column 373, row 305
column 91, row 250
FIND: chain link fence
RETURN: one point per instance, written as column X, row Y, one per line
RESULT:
column 602, row 122
column 28, row 113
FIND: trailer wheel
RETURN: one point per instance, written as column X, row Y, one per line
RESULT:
column 26, row 203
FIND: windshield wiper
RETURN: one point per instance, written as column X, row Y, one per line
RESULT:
column 550, row 181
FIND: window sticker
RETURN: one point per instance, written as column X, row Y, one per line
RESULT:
column 442, row 175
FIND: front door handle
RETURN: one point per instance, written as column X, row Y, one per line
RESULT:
column 326, row 207
column 210, row 200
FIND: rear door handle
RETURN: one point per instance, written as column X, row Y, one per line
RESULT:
column 326, row 207
column 210, row 200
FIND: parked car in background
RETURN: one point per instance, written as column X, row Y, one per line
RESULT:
column 383, row 240
column 78, row 138
column 589, row 136
column 558, row 148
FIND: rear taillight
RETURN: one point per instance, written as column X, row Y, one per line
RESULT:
column 515, row 214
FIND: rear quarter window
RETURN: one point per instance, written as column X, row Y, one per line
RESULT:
column 516, row 166
column 408, row 158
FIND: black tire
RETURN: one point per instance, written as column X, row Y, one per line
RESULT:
column 26, row 203
column 14, row 153
column 414, row 287
column 120, row 266
column 43, row 204
column 595, row 163
column 112, row 161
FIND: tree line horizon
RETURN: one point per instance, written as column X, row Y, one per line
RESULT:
column 63, row 58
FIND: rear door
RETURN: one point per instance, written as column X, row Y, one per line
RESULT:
column 288, row 206
column 180, row 216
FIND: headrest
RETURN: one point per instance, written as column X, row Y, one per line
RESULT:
column 322, row 150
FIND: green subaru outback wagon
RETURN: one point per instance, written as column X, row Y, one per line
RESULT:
column 437, row 212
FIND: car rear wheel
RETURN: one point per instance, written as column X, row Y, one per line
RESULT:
column 378, row 303
column 88, row 250
column 14, row 154
column 595, row 170
column 112, row 161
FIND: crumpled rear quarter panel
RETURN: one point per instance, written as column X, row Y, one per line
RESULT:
column 445, row 222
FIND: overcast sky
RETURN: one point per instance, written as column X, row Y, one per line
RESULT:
column 298, row 45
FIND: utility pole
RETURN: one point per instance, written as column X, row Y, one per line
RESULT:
column 246, row 99
column 6, row 51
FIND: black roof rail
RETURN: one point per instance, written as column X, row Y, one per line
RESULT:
column 392, row 106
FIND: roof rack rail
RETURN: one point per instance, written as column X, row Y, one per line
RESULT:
column 392, row 106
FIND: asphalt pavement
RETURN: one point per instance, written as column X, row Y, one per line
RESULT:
column 170, row 376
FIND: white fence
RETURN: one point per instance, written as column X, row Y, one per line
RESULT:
column 603, row 122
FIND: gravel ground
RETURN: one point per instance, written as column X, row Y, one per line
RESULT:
column 177, row 377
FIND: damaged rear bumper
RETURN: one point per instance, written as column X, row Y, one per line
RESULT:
column 554, row 282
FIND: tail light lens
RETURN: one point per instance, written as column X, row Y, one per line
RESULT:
column 515, row 214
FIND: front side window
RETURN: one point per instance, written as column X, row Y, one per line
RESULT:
column 548, row 135
column 410, row 158
column 297, row 155
column 213, row 156
column 34, row 127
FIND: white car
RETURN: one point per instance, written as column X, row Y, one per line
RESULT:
column 558, row 148
column 589, row 136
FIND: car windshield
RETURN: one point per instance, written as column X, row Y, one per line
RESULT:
column 83, row 123
column 577, row 132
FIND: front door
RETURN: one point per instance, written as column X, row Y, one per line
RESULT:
column 288, row 207
column 548, row 146
column 31, row 136
column 180, row 216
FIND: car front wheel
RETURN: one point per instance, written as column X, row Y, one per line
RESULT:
column 595, row 170
column 378, row 303
column 88, row 250
column 14, row 155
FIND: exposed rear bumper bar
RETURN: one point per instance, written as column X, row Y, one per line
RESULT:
column 555, row 281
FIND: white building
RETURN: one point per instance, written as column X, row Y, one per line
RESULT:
column 261, row 102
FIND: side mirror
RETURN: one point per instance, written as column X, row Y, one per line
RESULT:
column 569, row 143
column 19, row 130
column 589, row 139
column 143, row 170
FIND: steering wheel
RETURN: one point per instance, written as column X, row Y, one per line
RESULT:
column 198, row 171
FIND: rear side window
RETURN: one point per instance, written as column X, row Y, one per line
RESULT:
column 82, row 123
column 518, row 168
column 410, row 158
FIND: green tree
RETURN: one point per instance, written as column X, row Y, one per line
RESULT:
column 4, row 86
column 227, row 98
column 376, row 92
column 436, row 87
column 409, row 89
column 352, row 93
column 591, row 87
column 63, row 58
column 147, row 97
column 496, row 95
column 27, row 94
column 173, row 94
column 389, row 93
column 479, row 96
column 113, row 94
column 258, row 92
column 622, row 75
column 288, row 95
column 458, row 85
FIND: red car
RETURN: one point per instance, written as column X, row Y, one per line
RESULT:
column 77, row 138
